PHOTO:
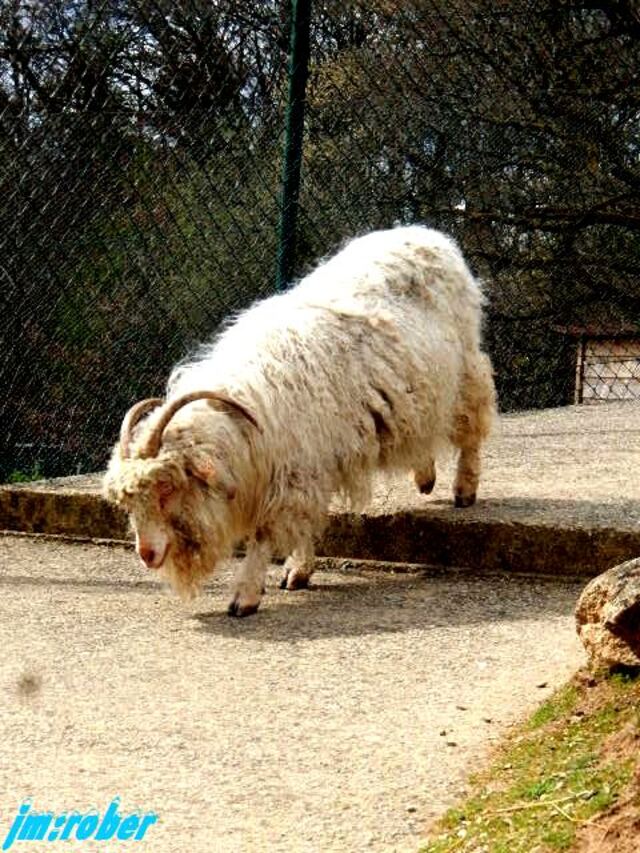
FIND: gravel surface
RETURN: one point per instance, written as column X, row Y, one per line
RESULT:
column 342, row 718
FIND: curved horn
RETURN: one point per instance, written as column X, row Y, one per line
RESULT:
column 135, row 413
column 155, row 438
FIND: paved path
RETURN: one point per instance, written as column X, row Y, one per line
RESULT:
column 341, row 718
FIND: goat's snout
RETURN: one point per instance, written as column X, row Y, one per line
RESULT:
column 150, row 556
column 147, row 554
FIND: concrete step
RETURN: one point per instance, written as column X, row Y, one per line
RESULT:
column 559, row 495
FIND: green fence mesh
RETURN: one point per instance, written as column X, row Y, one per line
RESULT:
column 141, row 146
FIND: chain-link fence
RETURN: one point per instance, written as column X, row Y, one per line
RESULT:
column 141, row 146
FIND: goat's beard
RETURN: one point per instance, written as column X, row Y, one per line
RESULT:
column 194, row 554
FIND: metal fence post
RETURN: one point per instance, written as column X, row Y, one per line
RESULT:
column 294, row 132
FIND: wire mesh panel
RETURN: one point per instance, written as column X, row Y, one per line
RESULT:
column 609, row 370
column 141, row 165
column 512, row 125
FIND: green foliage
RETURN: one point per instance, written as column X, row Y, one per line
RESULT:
column 140, row 168
column 18, row 476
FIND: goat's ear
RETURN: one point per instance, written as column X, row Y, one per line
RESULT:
column 201, row 466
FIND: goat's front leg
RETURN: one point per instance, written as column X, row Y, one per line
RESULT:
column 249, row 580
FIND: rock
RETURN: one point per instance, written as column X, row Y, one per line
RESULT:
column 608, row 617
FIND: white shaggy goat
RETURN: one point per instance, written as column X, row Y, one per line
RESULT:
column 372, row 362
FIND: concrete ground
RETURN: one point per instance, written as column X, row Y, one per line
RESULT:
column 342, row 718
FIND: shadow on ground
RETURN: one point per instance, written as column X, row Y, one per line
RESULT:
column 564, row 512
column 379, row 605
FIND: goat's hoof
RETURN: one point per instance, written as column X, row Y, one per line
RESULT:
column 426, row 488
column 240, row 610
column 297, row 582
column 462, row 501
column 291, row 581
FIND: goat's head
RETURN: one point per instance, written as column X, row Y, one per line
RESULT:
column 179, row 497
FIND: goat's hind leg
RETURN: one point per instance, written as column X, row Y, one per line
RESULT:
column 425, row 477
column 472, row 424
column 467, row 477
column 298, row 568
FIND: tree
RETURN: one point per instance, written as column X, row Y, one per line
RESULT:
column 512, row 125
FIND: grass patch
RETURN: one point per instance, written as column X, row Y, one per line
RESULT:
column 28, row 476
column 558, row 706
column 555, row 773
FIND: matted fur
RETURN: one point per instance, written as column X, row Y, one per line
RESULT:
column 372, row 362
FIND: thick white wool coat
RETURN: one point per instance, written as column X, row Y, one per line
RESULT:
column 357, row 368
column 372, row 362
